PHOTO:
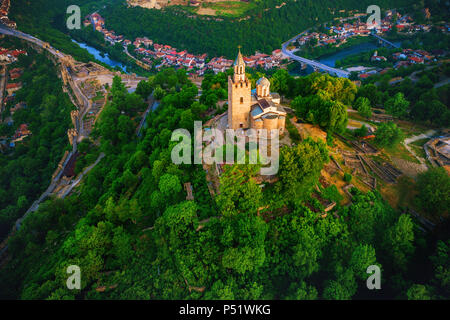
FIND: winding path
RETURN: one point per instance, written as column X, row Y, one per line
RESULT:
column 81, row 176
column 54, row 182
column 407, row 141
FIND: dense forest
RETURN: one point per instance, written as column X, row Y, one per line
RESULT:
column 25, row 171
column 418, row 101
column 135, row 236
column 261, row 30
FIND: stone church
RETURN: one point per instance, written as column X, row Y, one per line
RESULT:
column 256, row 109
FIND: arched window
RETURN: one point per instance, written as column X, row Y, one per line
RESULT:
column 242, row 100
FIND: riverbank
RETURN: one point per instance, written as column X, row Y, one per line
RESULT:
column 113, row 56
column 101, row 56
column 366, row 46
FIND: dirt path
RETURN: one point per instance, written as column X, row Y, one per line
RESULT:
column 427, row 134
column 416, row 168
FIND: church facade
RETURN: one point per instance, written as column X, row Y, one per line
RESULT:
column 252, row 109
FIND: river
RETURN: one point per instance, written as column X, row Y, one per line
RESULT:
column 330, row 60
column 100, row 56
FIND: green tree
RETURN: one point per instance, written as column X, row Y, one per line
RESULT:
column 300, row 168
column 169, row 185
column 330, row 115
column 418, row 292
column 304, row 291
column 279, row 82
column 144, row 89
column 159, row 93
column 363, row 106
column 362, row 257
column 239, row 192
column 398, row 242
column 388, row 134
column 434, row 191
column 441, row 265
column 370, row 92
column 397, row 106
column 343, row 288
column 361, row 132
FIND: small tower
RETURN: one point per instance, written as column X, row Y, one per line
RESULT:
column 239, row 96
column 263, row 88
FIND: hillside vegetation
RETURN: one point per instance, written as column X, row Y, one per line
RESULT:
column 135, row 236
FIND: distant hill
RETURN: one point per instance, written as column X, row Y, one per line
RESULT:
column 234, row 8
column 262, row 26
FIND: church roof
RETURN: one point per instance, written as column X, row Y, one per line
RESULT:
column 263, row 81
column 270, row 115
column 239, row 59
column 264, row 103
column 257, row 110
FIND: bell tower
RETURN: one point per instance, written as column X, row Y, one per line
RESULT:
column 239, row 68
column 239, row 96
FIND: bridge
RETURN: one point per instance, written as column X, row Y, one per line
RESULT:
column 317, row 65
column 382, row 40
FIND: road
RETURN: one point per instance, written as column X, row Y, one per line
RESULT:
column 8, row 31
column 152, row 106
column 138, row 62
column 442, row 83
column 34, row 207
column 3, row 77
column 87, row 105
column 54, row 183
column 81, row 176
column 315, row 64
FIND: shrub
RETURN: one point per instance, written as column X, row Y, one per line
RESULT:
column 347, row 177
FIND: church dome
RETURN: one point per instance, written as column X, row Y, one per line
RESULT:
column 263, row 82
